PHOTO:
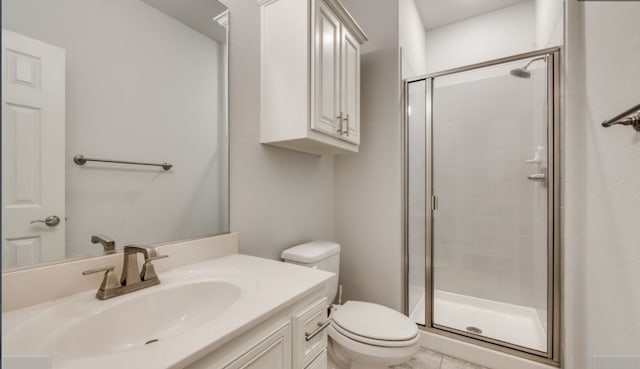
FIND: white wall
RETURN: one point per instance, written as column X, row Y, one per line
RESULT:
column 413, row 40
column 549, row 23
column 140, row 86
column 504, row 32
column 368, row 203
column 278, row 197
column 601, row 248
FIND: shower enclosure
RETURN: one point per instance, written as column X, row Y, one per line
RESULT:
column 481, row 203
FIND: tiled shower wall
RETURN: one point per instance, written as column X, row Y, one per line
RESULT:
column 490, row 225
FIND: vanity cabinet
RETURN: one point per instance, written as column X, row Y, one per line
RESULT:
column 280, row 342
column 310, row 76
column 273, row 352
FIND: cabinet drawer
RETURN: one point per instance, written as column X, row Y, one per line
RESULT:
column 306, row 322
column 320, row 362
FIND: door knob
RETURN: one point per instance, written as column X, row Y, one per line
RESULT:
column 51, row 221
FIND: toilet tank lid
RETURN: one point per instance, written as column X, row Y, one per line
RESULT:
column 311, row 252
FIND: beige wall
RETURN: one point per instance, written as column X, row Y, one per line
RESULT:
column 282, row 197
column 504, row 32
column 278, row 197
column 413, row 40
column 601, row 200
column 368, row 204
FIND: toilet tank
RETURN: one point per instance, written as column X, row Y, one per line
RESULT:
column 323, row 255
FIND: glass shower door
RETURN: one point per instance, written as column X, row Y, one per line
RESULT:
column 416, row 193
column 481, row 204
column 490, row 143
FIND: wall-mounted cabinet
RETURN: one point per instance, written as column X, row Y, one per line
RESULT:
column 310, row 76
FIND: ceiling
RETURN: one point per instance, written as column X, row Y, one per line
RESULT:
column 197, row 14
column 437, row 13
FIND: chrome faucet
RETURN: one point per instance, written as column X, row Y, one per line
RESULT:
column 108, row 244
column 132, row 278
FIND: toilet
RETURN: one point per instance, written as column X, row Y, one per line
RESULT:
column 362, row 335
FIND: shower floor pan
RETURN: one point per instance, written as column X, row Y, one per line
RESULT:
column 518, row 325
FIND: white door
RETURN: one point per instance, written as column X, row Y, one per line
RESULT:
column 350, row 104
column 327, row 116
column 33, row 149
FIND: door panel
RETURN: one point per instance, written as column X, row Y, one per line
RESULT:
column 33, row 149
column 351, row 87
column 490, row 181
column 327, row 71
column 272, row 353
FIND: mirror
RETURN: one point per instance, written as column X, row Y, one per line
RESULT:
column 138, row 81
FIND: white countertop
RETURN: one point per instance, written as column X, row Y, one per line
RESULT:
column 266, row 286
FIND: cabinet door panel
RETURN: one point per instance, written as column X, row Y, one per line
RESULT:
column 305, row 322
column 351, row 87
column 327, row 71
column 320, row 362
column 272, row 353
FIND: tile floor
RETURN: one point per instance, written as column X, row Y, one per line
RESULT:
column 426, row 359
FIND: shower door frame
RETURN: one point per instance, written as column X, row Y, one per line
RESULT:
column 552, row 355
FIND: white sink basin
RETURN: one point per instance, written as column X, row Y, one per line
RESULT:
column 147, row 319
column 196, row 309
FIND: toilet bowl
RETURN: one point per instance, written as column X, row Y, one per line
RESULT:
column 362, row 334
column 366, row 335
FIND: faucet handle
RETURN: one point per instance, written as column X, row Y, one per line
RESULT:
column 148, row 270
column 109, row 282
column 152, row 258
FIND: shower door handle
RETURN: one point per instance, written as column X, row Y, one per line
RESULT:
column 541, row 177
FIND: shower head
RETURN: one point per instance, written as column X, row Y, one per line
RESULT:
column 523, row 72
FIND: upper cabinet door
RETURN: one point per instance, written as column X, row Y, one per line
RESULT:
column 350, row 87
column 327, row 116
column 310, row 76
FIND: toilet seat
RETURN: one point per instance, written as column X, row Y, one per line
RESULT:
column 374, row 324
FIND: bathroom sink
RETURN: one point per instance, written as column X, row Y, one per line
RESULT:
column 147, row 319
column 196, row 309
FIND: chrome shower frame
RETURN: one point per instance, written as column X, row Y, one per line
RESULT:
column 552, row 355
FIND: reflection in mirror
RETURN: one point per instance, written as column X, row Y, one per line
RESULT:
column 123, row 80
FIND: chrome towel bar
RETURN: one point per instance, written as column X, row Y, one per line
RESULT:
column 630, row 117
column 82, row 160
